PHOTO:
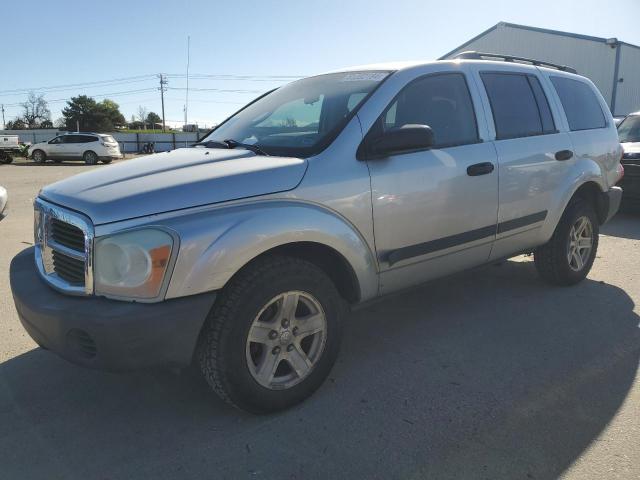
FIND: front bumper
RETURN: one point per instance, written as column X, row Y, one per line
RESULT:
column 630, row 183
column 609, row 203
column 106, row 334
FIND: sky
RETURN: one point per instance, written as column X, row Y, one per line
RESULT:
column 239, row 49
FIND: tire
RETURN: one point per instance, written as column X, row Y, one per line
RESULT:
column 554, row 261
column 231, row 364
column 39, row 156
column 90, row 157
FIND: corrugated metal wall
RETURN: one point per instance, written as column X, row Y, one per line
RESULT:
column 628, row 91
column 591, row 58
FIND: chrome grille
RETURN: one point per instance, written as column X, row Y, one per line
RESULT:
column 67, row 235
column 64, row 243
column 68, row 268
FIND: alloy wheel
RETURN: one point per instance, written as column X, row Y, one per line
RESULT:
column 286, row 340
column 580, row 243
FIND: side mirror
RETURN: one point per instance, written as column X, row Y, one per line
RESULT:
column 401, row 140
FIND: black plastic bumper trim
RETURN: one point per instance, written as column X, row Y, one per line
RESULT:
column 127, row 335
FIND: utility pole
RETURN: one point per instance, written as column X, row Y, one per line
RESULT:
column 186, row 104
column 4, row 124
column 163, row 82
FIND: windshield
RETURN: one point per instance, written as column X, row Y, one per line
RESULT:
column 629, row 129
column 301, row 118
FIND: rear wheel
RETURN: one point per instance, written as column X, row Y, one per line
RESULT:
column 272, row 336
column 39, row 156
column 90, row 158
column 567, row 258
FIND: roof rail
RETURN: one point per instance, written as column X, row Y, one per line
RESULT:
column 473, row 55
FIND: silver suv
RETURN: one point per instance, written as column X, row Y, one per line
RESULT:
column 242, row 255
column 88, row 147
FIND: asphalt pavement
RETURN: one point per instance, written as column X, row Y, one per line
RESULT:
column 489, row 374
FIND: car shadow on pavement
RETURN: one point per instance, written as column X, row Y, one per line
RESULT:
column 624, row 225
column 487, row 374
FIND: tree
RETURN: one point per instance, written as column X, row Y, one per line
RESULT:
column 112, row 110
column 35, row 111
column 91, row 116
column 17, row 124
column 142, row 115
column 153, row 119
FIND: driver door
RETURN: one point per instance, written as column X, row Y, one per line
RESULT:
column 435, row 210
column 55, row 147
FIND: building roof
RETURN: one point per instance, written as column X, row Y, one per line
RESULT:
column 540, row 30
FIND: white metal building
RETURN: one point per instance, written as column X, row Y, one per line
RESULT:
column 614, row 66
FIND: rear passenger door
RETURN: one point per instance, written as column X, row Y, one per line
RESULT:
column 77, row 145
column 534, row 156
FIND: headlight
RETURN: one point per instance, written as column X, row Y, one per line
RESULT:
column 132, row 264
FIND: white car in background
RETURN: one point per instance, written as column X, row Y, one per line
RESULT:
column 3, row 200
column 89, row 147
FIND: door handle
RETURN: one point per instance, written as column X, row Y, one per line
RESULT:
column 564, row 155
column 480, row 169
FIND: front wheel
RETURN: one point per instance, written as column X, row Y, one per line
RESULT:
column 39, row 156
column 273, row 335
column 567, row 258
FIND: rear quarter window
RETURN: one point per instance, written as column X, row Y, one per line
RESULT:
column 580, row 104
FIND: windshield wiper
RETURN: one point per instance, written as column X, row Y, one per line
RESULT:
column 211, row 144
column 254, row 148
column 232, row 144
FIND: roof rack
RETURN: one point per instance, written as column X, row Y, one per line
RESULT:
column 473, row 55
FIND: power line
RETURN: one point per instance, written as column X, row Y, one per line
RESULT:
column 151, row 76
column 234, row 77
column 102, row 95
column 221, row 90
column 84, row 84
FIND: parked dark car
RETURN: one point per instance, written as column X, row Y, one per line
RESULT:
column 629, row 133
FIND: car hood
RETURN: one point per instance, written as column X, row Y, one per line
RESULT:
column 183, row 178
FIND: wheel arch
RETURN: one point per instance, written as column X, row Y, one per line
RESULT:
column 209, row 259
column 39, row 150
column 591, row 192
column 328, row 259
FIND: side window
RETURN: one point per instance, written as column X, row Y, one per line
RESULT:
column 580, row 104
column 519, row 105
column 56, row 141
column 543, row 106
column 87, row 139
column 355, row 99
column 441, row 101
column 68, row 139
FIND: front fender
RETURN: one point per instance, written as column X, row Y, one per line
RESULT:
column 215, row 244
